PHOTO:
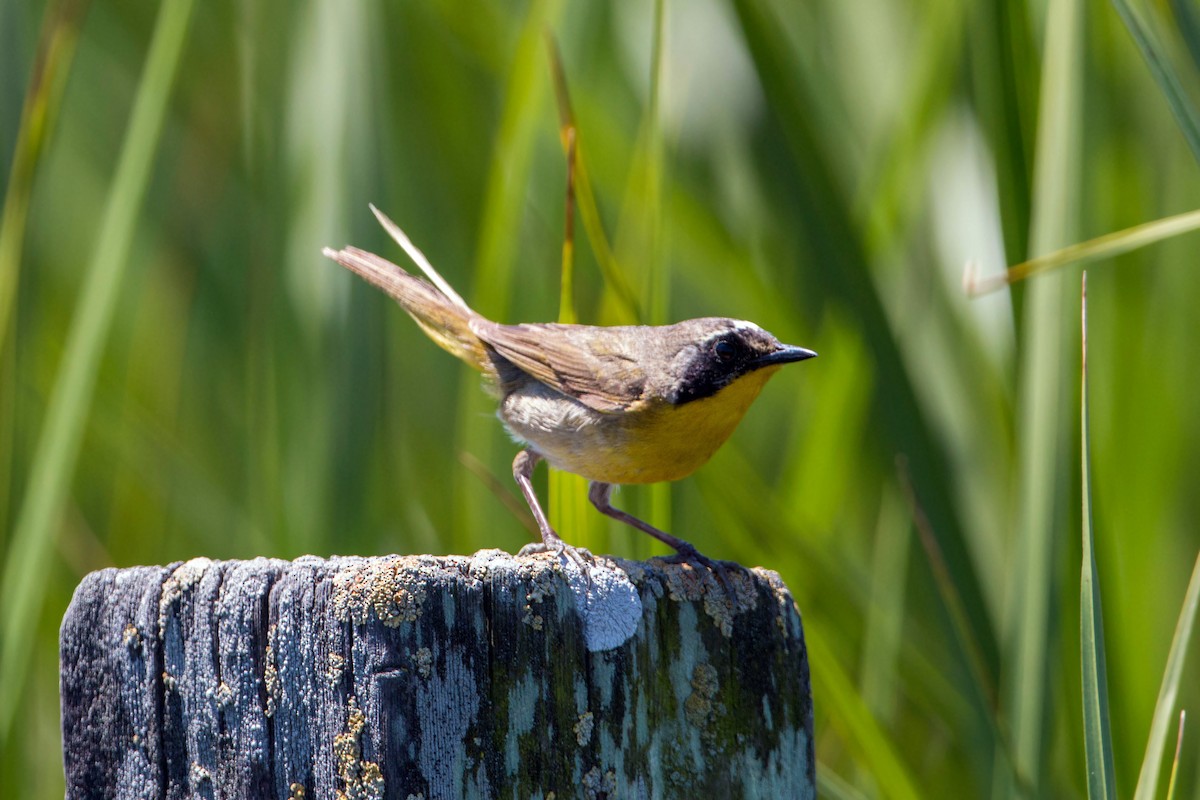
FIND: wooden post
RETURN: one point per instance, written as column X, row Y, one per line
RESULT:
column 422, row 677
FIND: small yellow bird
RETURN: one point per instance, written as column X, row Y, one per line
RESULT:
column 616, row 405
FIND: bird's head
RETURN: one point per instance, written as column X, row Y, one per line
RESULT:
column 716, row 352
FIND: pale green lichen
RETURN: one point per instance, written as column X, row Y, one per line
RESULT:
column 699, row 706
column 361, row 780
column 335, row 668
column 583, row 728
column 402, row 604
column 538, row 572
column 271, row 674
column 704, row 680
column 131, row 637
column 684, row 582
column 199, row 778
column 184, row 577
column 423, row 659
column 223, row 694
column 392, row 590
column 597, row 784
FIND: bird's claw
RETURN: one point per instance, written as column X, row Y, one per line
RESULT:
column 688, row 554
column 581, row 557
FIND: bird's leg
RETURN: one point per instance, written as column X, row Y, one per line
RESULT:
column 600, row 494
column 523, row 466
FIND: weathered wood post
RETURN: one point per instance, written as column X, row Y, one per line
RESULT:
column 423, row 677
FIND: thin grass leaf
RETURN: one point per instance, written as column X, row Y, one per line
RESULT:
column 884, row 625
column 1097, row 735
column 502, row 492
column 861, row 731
column 1175, row 763
column 1159, row 62
column 837, row 252
column 653, row 153
column 56, row 50
column 641, row 237
column 835, row 787
column 568, row 493
column 510, row 167
column 58, row 447
column 1004, row 67
column 589, row 212
column 499, row 234
column 658, row 283
column 1188, row 20
column 1147, row 785
column 983, row 682
column 566, row 296
column 39, row 117
column 1042, row 450
column 886, row 198
column 1109, row 245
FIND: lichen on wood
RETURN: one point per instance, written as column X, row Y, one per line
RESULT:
column 437, row 677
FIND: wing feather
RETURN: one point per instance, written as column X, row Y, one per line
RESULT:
column 569, row 360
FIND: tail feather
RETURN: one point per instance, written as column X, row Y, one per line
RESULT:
column 418, row 257
column 440, row 312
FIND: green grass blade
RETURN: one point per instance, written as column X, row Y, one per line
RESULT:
column 568, row 493
column 1109, row 245
column 628, row 309
column 58, row 447
column 1158, row 60
column 840, row 262
column 1042, row 450
column 861, row 731
column 1097, row 734
column 884, row 626
column 1004, row 67
column 1147, row 785
column 1175, row 763
column 1187, row 17
column 641, row 236
column 499, row 235
column 886, row 198
column 524, row 95
column 834, row 787
column 657, row 497
column 38, row 116
column 654, row 155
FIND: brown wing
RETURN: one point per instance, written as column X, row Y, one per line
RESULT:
column 576, row 360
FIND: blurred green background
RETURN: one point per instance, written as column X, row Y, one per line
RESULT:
column 183, row 374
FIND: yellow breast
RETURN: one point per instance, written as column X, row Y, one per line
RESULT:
column 660, row 442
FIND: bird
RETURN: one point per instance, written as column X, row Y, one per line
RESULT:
column 634, row 404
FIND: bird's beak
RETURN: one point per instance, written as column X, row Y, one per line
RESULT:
column 786, row 354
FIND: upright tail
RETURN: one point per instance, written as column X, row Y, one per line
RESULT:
column 435, row 306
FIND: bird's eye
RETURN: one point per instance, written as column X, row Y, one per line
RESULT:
column 724, row 350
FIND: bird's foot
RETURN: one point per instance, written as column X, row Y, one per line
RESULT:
column 686, row 553
column 581, row 557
